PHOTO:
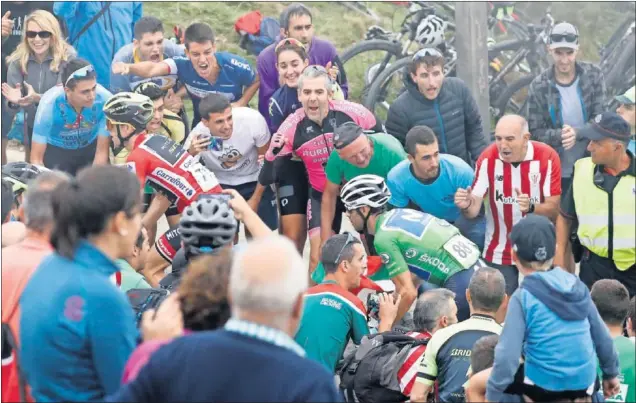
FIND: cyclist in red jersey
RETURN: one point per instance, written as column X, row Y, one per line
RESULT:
column 308, row 133
column 168, row 167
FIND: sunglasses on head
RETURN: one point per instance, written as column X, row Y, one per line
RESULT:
column 41, row 34
column 80, row 73
column 289, row 41
column 570, row 38
column 427, row 52
column 350, row 239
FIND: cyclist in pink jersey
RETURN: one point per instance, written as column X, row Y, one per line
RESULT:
column 308, row 134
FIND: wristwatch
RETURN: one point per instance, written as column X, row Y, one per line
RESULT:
column 531, row 209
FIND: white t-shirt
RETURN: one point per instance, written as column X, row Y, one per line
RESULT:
column 235, row 161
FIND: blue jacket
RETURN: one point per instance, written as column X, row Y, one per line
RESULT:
column 245, row 362
column 104, row 37
column 77, row 328
column 552, row 320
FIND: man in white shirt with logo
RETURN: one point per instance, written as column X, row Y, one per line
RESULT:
column 231, row 142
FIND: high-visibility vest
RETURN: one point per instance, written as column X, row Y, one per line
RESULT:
column 607, row 221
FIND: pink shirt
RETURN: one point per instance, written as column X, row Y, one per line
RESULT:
column 19, row 261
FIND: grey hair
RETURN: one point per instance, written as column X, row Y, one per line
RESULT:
column 430, row 307
column 487, row 289
column 38, row 210
column 252, row 290
column 310, row 73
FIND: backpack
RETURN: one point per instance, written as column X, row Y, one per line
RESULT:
column 143, row 299
column 369, row 374
column 257, row 32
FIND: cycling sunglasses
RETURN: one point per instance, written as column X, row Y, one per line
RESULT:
column 289, row 41
column 427, row 52
column 350, row 239
column 41, row 34
column 80, row 73
column 569, row 38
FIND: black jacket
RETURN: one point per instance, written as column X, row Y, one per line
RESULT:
column 453, row 116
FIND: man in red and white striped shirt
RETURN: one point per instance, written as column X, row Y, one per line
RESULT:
column 435, row 310
column 514, row 176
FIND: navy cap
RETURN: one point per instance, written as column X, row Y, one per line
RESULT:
column 346, row 134
column 533, row 238
column 607, row 125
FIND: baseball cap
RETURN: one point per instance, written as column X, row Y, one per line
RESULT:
column 628, row 98
column 564, row 35
column 346, row 134
column 533, row 238
column 607, row 125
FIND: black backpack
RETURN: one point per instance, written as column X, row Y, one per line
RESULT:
column 143, row 299
column 369, row 375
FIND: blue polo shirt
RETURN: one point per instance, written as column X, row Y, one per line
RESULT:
column 77, row 328
column 436, row 198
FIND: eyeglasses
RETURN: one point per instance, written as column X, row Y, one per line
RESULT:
column 80, row 73
column 350, row 239
column 41, row 34
column 289, row 41
column 427, row 52
column 569, row 38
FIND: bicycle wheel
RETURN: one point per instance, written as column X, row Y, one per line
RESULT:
column 513, row 99
column 616, row 75
column 388, row 85
column 364, row 60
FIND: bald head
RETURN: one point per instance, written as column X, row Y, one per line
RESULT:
column 511, row 137
column 267, row 276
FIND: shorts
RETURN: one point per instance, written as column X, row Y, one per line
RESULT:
column 267, row 207
column 313, row 213
column 293, row 187
column 148, row 192
column 169, row 244
column 69, row 161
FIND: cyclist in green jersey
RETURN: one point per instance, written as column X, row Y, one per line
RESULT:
column 411, row 241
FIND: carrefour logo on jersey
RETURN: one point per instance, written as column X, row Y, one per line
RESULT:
column 177, row 181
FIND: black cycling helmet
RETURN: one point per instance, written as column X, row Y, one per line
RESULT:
column 130, row 108
column 207, row 224
column 150, row 89
column 19, row 174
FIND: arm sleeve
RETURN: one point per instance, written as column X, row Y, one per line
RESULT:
column 427, row 370
column 332, row 169
column 393, row 259
column 260, row 131
column 114, row 327
column 140, row 389
column 397, row 122
column 552, row 187
column 474, row 128
column 359, row 326
column 268, row 75
column 539, row 128
column 603, row 343
column 247, row 75
column 399, row 198
column 43, row 121
column 598, row 98
column 14, row 76
column 65, row 9
column 275, row 115
column 568, row 206
column 138, row 11
column 142, row 283
column 119, row 82
column 465, row 175
column 173, row 64
column 508, row 351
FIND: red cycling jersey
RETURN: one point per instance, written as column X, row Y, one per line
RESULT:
column 171, row 170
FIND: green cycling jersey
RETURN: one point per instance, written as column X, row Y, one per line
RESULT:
column 410, row 240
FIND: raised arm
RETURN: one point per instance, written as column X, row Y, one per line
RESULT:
column 141, row 69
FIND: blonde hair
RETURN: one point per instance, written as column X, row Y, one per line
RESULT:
column 59, row 48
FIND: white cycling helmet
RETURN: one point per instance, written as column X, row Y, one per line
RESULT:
column 430, row 31
column 365, row 190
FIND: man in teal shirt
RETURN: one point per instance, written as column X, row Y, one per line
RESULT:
column 129, row 268
column 332, row 314
column 627, row 110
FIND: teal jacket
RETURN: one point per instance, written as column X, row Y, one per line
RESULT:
column 77, row 328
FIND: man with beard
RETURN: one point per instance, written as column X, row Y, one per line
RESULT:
column 203, row 71
column 427, row 181
column 563, row 98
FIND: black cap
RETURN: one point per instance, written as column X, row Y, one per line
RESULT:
column 533, row 238
column 346, row 134
column 607, row 125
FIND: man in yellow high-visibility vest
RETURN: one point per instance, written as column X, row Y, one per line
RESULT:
column 602, row 205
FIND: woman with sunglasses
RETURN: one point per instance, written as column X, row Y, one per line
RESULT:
column 35, row 66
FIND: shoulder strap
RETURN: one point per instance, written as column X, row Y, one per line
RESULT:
column 89, row 23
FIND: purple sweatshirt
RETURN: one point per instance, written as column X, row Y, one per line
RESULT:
column 321, row 52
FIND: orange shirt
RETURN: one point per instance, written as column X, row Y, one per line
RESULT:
column 19, row 261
